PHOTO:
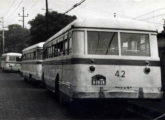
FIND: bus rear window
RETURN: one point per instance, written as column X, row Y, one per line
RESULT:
column 134, row 44
column 102, row 43
column 12, row 58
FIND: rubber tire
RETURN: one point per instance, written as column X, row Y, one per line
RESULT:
column 57, row 92
column 25, row 79
column 43, row 84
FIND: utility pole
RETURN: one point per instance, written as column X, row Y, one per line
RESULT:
column 3, row 35
column 164, row 24
column 47, row 24
column 23, row 17
column 114, row 15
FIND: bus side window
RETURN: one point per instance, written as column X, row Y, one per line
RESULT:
column 46, row 52
column 70, row 43
column 34, row 56
column 60, row 48
column 65, row 47
column 29, row 56
column 52, row 51
column 49, row 52
column 39, row 54
column 24, row 56
column 55, row 50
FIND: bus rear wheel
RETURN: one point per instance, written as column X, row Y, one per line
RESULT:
column 25, row 79
column 43, row 84
column 62, row 99
column 57, row 87
column 59, row 95
column 29, row 78
column 3, row 70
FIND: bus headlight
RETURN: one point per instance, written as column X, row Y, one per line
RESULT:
column 147, row 70
column 92, row 68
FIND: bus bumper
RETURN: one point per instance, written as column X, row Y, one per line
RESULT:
column 121, row 94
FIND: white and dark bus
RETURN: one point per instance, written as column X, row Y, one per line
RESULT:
column 32, row 62
column 11, row 62
column 103, row 58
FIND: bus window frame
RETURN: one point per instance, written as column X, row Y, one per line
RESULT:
column 138, row 32
column 98, row 30
column 119, row 41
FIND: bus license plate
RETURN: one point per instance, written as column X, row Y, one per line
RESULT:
column 98, row 80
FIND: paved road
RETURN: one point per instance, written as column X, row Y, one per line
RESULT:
column 23, row 101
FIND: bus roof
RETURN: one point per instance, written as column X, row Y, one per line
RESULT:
column 11, row 54
column 40, row 45
column 107, row 23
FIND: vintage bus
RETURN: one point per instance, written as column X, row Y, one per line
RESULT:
column 103, row 58
column 32, row 62
column 11, row 62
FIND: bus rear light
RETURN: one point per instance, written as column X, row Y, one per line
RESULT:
column 147, row 70
column 92, row 68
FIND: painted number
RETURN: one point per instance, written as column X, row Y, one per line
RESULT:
column 120, row 73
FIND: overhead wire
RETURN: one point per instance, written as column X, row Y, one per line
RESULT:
column 11, row 5
column 33, row 4
column 141, row 20
column 153, row 17
column 76, row 5
column 147, row 16
column 149, row 12
column 16, row 9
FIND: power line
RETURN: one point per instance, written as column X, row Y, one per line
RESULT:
column 33, row 4
column 153, row 17
column 74, row 6
column 11, row 5
column 16, row 8
column 15, row 11
column 149, row 12
column 143, row 20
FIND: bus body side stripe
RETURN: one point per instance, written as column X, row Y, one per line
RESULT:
column 103, row 62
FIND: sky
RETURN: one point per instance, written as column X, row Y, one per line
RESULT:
column 152, row 11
